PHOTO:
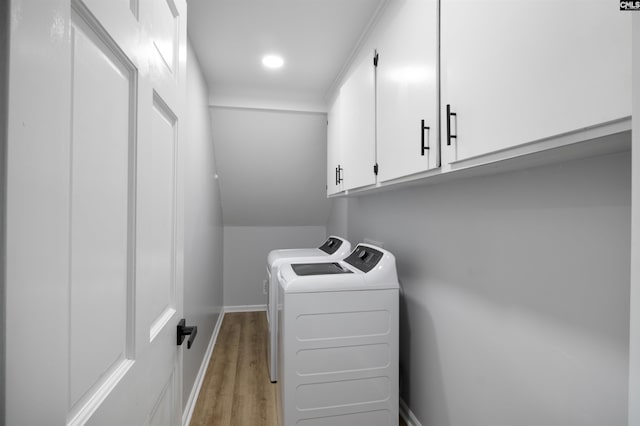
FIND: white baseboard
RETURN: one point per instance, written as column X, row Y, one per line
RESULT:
column 245, row 308
column 195, row 391
column 407, row 415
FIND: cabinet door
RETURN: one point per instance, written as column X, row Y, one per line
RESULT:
column 357, row 124
column 517, row 71
column 334, row 184
column 407, row 89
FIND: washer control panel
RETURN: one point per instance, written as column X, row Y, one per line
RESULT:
column 364, row 258
column 331, row 245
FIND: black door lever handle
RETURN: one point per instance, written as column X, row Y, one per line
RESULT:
column 183, row 330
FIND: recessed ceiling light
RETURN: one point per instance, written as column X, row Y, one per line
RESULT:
column 272, row 61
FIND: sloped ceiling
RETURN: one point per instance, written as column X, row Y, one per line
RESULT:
column 269, row 126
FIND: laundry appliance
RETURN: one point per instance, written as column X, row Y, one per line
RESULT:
column 334, row 248
column 338, row 341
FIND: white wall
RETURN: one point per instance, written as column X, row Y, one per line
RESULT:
column 203, row 285
column 634, row 368
column 515, row 306
column 272, row 166
column 337, row 223
column 245, row 257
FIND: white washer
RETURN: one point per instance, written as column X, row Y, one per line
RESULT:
column 338, row 341
column 334, row 248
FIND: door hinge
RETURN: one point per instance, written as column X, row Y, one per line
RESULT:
column 375, row 58
column 375, row 169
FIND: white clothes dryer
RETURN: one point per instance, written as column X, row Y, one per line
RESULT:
column 334, row 248
column 338, row 341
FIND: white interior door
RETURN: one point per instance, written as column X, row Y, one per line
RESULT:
column 94, row 212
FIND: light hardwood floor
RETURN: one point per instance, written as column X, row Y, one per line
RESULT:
column 236, row 390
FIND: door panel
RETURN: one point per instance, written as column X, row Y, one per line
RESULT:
column 100, row 255
column 165, row 32
column 161, row 414
column 166, row 24
column 155, row 203
column 164, row 378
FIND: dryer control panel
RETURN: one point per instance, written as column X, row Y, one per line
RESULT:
column 364, row 258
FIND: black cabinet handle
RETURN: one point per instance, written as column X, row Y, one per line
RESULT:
column 336, row 176
column 183, row 330
column 340, row 170
column 449, row 135
column 422, row 129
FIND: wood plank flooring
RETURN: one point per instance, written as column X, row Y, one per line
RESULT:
column 236, row 390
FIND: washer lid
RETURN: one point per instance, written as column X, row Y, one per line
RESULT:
column 285, row 254
column 302, row 269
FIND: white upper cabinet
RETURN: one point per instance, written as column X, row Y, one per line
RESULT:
column 334, row 168
column 462, row 83
column 520, row 71
column 357, row 126
column 407, row 88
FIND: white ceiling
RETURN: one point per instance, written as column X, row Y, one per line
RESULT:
column 315, row 37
